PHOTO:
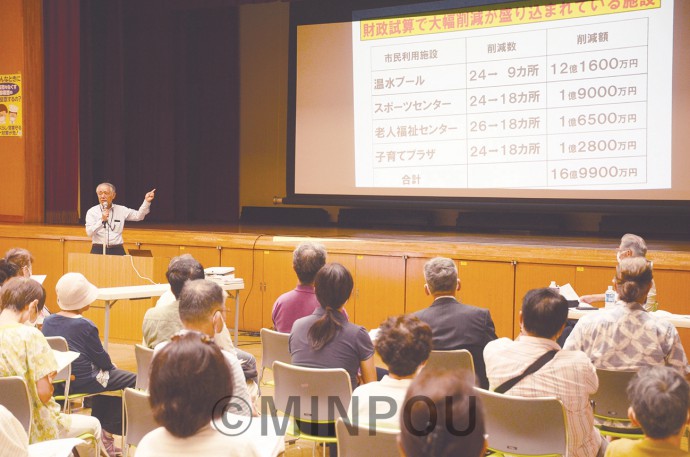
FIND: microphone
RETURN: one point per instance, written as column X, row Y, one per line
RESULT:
column 104, row 207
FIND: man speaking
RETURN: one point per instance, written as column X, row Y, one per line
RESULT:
column 104, row 222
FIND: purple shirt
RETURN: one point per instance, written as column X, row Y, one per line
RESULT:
column 293, row 305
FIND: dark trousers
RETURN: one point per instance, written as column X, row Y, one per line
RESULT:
column 106, row 408
column 118, row 249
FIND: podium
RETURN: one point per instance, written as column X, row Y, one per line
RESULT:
column 118, row 270
column 121, row 278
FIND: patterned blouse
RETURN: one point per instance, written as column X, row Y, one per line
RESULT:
column 25, row 352
column 626, row 337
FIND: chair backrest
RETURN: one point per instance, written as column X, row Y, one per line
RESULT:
column 458, row 358
column 383, row 443
column 524, row 426
column 59, row 343
column 138, row 416
column 311, row 394
column 611, row 399
column 274, row 347
column 14, row 396
column 143, row 356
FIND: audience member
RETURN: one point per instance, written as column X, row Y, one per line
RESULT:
column 325, row 339
column 202, row 304
column 188, row 403
column 26, row 353
column 19, row 262
column 659, row 399
column 626, row 337
column 455, row 325
column 566, row 375
column 7, row 271
column 458, row 428
column 163, row 320
column 307, row 259
column 22, row 259
column 404, row 344
column 93, row 371
column 631, row 246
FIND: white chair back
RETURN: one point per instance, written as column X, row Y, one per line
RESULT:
column 143, row 356
column 458, row 358
column 524, row 426
column 14, row 396
column 274, row 347
column 138, row 417
column 312, row 394
column 382, row 443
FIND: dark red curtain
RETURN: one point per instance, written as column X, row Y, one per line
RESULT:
column 61, row 50
column 157, row 106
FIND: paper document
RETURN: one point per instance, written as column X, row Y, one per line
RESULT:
column 569, row 293
column 39, row 278
column 64, row 358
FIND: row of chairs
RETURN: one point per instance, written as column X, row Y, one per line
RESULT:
column 516, row 425
column 274, row 348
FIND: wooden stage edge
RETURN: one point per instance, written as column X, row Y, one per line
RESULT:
column 516, row 247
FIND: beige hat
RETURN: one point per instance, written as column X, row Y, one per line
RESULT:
column 74, row 292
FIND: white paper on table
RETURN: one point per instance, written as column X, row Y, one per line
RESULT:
column 64, row 358
column 569, row 293
column 39, row 278
column 54, row 448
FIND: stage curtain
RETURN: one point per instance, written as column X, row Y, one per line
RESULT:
column 159, row 106
column 61, row 53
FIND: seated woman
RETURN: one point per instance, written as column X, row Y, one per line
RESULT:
column 326, row 339
column 22, row 261
column 626, row 337
column 404, row 344
column 93, row 370
column 188, row 402
column 444, row 424
column 25, row 352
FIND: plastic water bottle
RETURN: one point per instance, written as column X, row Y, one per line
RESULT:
column 609, row 297
column 554, row 286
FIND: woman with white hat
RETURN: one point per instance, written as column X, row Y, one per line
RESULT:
column 93, row 370
column 25, row 352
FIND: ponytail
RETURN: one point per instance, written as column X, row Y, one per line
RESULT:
column 333, row 286
column 324, row 330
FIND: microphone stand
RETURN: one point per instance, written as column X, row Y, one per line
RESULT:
column 105, row 243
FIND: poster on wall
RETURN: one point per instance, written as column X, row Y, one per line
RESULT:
column 11, row 105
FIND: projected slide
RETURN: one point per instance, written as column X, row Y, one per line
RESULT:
column 572, row 97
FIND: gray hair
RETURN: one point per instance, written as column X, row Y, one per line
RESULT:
column 635, row 243
column 199, row 299
column 660, row 397
column 307, row 259
column 181, row 269
column 112, row 187
column 441, row 275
